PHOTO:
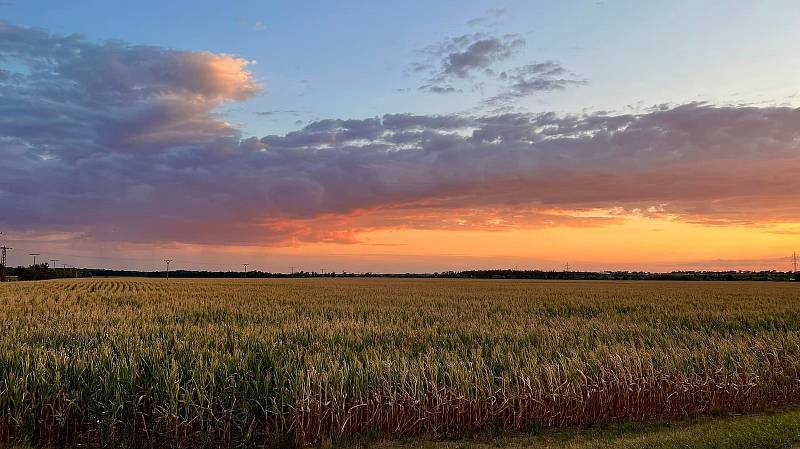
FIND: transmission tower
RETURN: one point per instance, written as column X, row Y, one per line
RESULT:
column 245, row 268
column 3, row 250
column 54, row 263
column 167, row 261
column 34, row 257
column 794, row 262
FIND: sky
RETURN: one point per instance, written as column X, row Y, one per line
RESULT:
column 401, row 136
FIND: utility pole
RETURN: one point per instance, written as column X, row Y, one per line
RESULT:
column 323, row 271
column 291, row 270
column 794, row 263
column 34, row 257
column 168, row 262
column 64, row 267
column 54, row 263
column 245, row 268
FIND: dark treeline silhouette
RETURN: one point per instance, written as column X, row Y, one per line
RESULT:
column 40, row 272
column 101, row 272
column 43, row 271
column 627, row 275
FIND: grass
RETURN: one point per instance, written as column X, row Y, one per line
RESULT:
column 98, row 361
column 768, row 431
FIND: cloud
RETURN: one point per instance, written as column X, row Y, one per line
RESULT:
column 786, row 231
column 122, row 143
column 277, row 115
column 487, row 19
column 471, row 58
column 433, row 88
column 480, row 54
column 672, row 162
column 277, row 112
column 462, row 57
column 524, row 81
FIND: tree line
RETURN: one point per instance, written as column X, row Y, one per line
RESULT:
column 44, row 271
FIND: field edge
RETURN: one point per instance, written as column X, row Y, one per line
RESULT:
column 775, row 429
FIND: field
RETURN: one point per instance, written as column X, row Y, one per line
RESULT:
column 308, row 361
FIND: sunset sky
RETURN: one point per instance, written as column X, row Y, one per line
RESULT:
column 401, row 136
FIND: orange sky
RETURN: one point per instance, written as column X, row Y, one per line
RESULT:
column 630, row 243
column 139, row 159
column 635, row 243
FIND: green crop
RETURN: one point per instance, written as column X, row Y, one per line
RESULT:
column 306, row 360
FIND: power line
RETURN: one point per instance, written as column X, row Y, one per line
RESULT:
column 152, row 260
column 75, row 270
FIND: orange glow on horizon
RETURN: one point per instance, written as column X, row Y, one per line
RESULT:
column 633, row 243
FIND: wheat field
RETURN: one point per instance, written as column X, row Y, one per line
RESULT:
column 304, row 361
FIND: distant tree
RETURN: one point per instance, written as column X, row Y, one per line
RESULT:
column 41, row 272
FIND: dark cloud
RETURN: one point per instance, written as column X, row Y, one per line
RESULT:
column 472, row 57
column 433, row 88
column 480, row 54
column 529, row 79
column 133, row 150
column 462, row 57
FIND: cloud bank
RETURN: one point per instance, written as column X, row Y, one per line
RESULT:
column 121, row 143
